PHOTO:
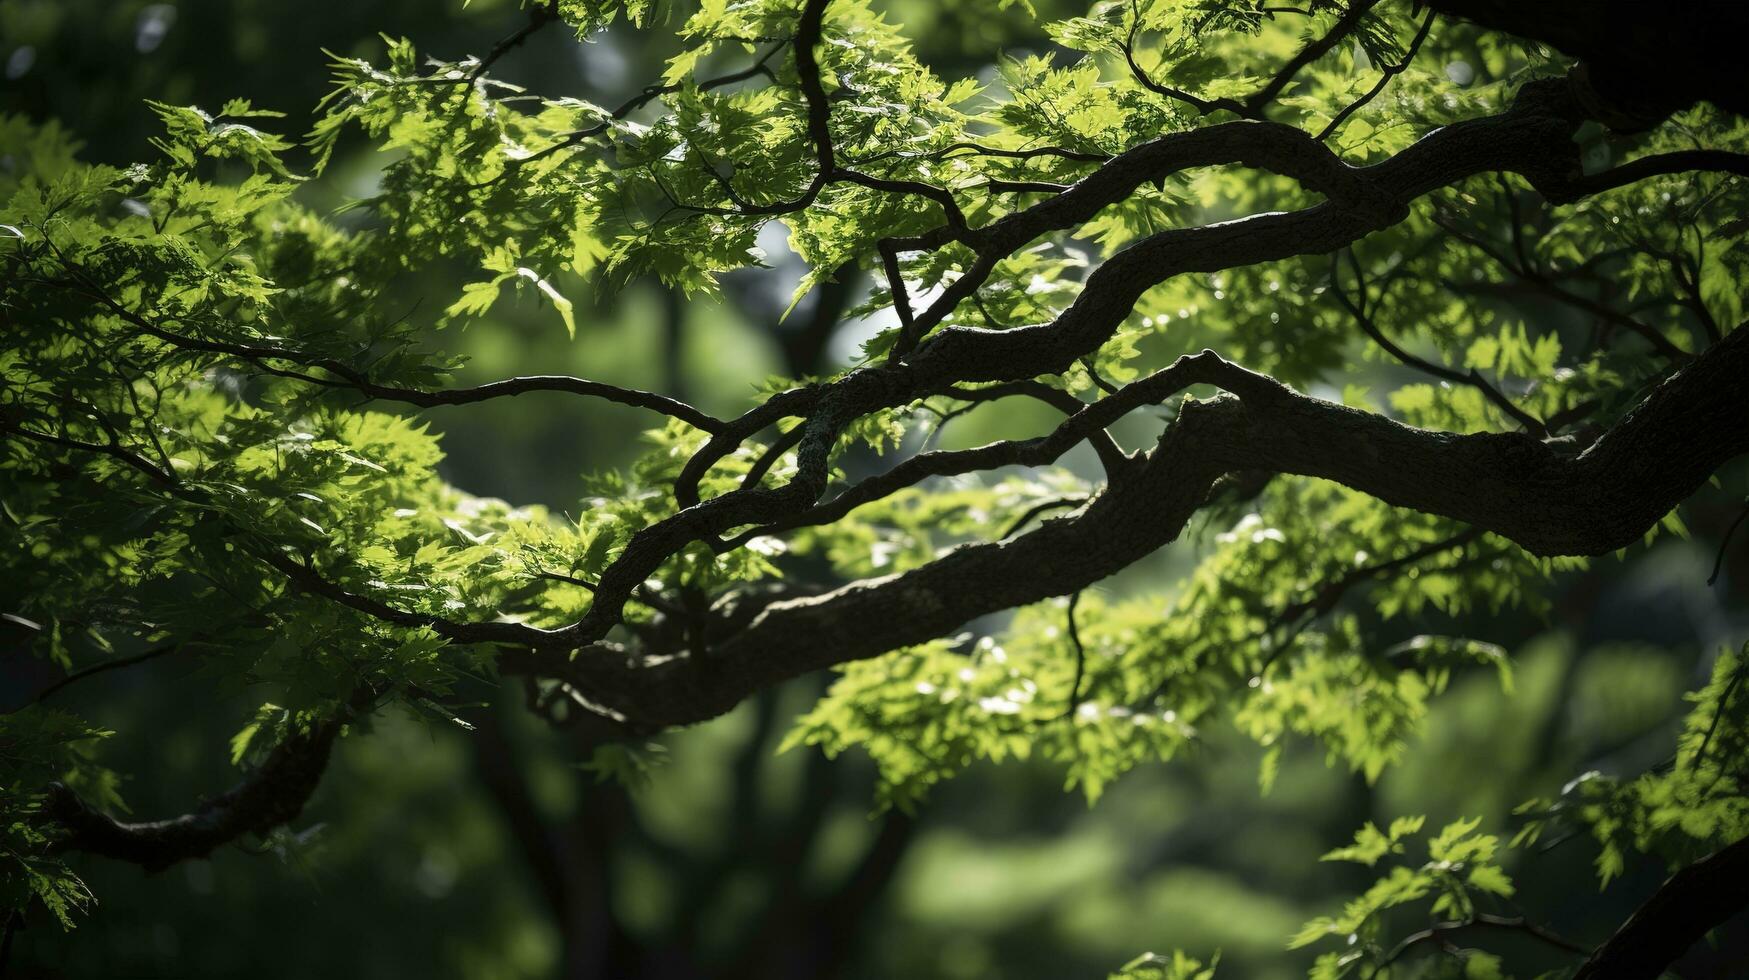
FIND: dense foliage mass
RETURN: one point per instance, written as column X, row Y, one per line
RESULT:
column 1189, row 229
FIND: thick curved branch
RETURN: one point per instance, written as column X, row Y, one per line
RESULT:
column 272, row 795
column 1660, row 164
column 1532, row 139
column 1508, row 483
column 1273, row 147
column 1682, row 911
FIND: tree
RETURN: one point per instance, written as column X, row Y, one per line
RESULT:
column 1201, row 208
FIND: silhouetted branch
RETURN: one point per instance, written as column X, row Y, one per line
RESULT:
column 1684, row 909
column 271, row 795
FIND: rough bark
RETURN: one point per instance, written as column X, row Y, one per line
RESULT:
column 1546, row 499
column 1511, row 484
column 1682, row 911
column 272, row 795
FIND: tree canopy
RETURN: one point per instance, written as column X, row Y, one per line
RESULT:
column 1396, row 314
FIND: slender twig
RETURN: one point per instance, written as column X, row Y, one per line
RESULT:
column 1301, row 614
column 346, row 376
column 539, row 16
column 1712, row 728
column 1023, row 186
column 906, row 339
column 1688, row 278
column 1080, row 658
column 1099, row 381
column 581, row 583
column 941, row 420
column 782, row 444
column 1201, row 105
column 1035, row 510
column 107, row 665
column 1312, row 52
column 1473, row 378
column 1725, row 543
column 111, row 449
column 1659, row 342
column 940, row 195
column 1437, row 932
column 648, row 95
column 1390, row 72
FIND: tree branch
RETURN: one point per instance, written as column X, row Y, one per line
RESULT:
column 1509, row 483
column 1390, row 72
column 1661, row 164
column 348, row 377
column 107, row 665
column 1682, row 911
column 1437, row 932
column 1357, row 307
column 271, row 795
column 539, row 16
column 1345, row 25
column 1532, row 139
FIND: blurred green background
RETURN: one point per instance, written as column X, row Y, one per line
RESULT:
column 435, row 852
